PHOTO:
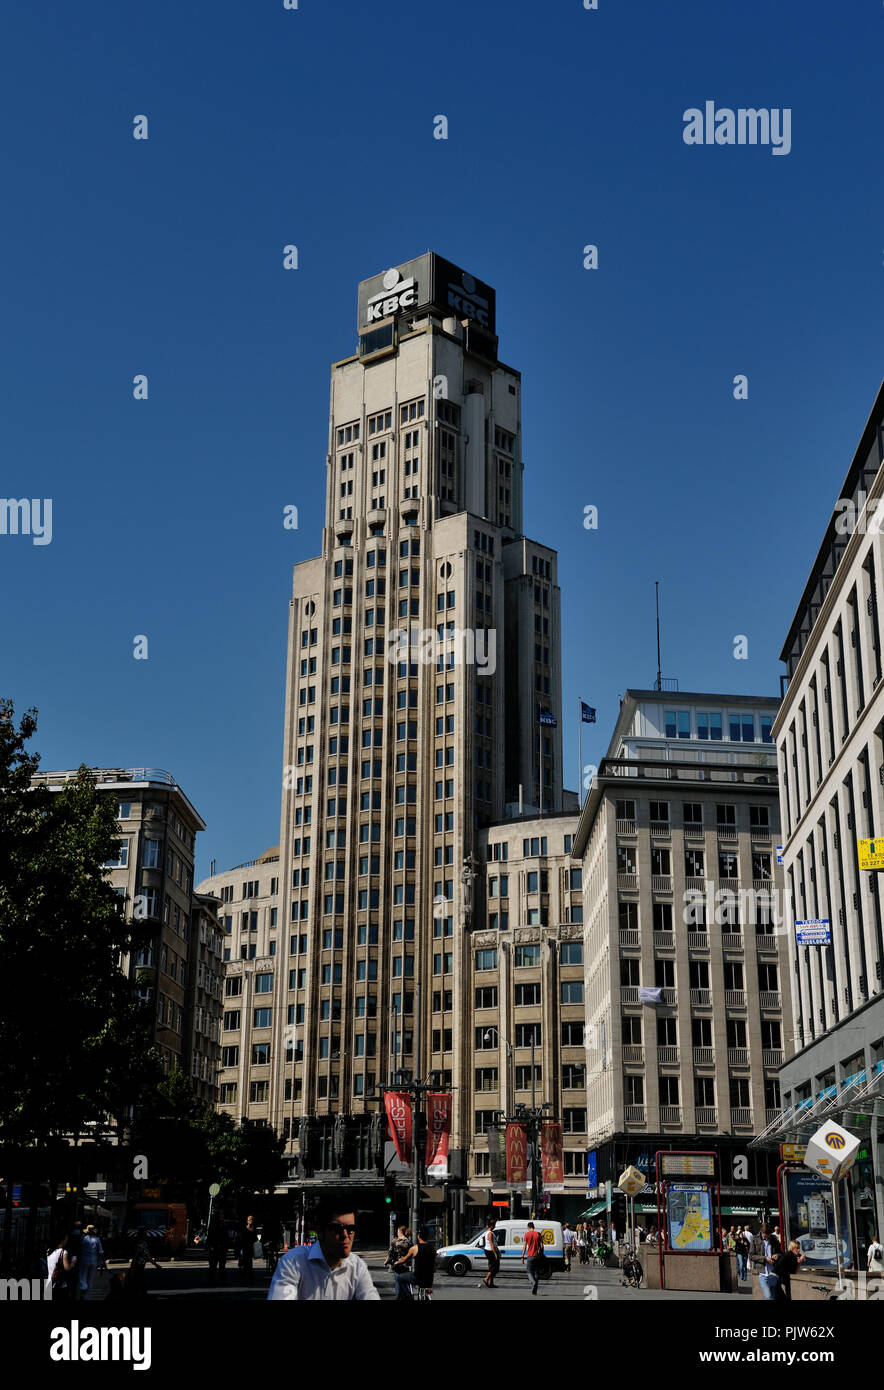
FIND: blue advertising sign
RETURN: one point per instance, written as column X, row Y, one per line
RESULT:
column 592, row 1178
column 809, row 1218
column 815, row 931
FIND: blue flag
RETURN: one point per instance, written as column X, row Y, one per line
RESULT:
column 587, row 713
column 546, row 718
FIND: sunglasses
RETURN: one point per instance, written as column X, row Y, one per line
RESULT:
column 337, row 1229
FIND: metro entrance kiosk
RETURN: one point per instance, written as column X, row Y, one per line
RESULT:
column 689, row 1221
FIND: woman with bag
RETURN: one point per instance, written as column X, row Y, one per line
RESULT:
column 60, row 1272
column 91, row 1260
column 399, row 1258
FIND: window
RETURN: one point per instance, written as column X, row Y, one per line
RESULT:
column 486, row 1079
column 678, row 723
column 526, row 1034
column 669, row 1090
column 262, row 1018
column 527, row 956
column 524, row 1076
column 264, row 983
column 231, row 1020
column 630, row 973
column 709, row 726
column 233, row 986
column 228, row 1093
column 487, row 959
column 574, row 1121
column 260, row 1054
column 259, row 1091
column 660, row 861
column 694, row 860
column 759, row 818
column 486, row 997
column 573, row 1076
column 230, row 1056
column 572, row 991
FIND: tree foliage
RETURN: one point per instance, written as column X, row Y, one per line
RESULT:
column 74, row 1037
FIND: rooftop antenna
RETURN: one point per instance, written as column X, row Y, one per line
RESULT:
column 659, row 685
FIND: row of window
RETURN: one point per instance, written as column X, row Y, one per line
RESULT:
column 698, row 974
column 692, row 814
column 742, row 726
column 694, row 863
column 669, row 1091
column 701, row 1032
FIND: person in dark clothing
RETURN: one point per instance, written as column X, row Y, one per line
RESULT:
column 785, row 1265
column 425, row 1261
column 247, row 1236
column 74, row 1248
column 216, row 1246
column 741, row 1248
column 136, row 1284
column 271, row 1242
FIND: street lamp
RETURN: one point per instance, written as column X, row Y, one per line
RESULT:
column 510, row 1095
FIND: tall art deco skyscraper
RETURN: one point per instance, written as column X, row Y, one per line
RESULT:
column 423, row 643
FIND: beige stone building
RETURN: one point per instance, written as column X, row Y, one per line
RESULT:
column 688, row 989
column 830, row 742
column 181, row 969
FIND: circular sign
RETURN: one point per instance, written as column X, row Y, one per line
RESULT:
column 390, row 279
column 835, row 1141
column 214, row 1189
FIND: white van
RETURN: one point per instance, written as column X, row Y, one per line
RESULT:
column 470, row 1255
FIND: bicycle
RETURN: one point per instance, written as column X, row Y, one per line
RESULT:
column 602, row 1254
column 631, row 1271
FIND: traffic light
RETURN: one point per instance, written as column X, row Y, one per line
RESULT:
column 389, row 1189
column 618, row 1212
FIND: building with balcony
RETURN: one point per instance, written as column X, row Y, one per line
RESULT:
column 179, row 972
column 686, row 975
column 830, row 743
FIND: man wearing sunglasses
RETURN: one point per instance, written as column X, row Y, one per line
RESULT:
column 328, row 1269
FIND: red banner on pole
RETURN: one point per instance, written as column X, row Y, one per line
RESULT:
column 516, row 1154
column 551, row 1154
column 398, row 1107
column 438, row 1130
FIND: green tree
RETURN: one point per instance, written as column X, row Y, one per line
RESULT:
column 74, row 1037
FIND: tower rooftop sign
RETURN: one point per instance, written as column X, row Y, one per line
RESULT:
column 427, row 282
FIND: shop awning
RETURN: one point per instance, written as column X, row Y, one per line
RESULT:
column 594, row 1210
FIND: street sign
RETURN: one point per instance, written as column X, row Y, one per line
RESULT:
column 499, row 1204
column 779, row 854
column 831, row 1151
column 214, row 1189
column 792, row 1153
column 816, row 931
column 871, row 853
column 688, row 1165
column 631, row 1181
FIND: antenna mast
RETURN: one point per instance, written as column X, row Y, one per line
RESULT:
column 659, row 685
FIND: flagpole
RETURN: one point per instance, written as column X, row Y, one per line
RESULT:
column 579, row 752
column 540, row 760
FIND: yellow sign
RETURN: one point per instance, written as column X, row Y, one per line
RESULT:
column 690, row 1165
column 835, row 1141
column 871, row 853
column 793, row 1153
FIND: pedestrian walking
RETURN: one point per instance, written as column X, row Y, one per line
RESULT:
column 74, row 1248
column 425, row 1261
column 741, row 1248
column 271, row 1241
column 581, row 1243
column 60, row 1273
column 532, row 1254
column 492, row 1254
column 136, row 1284
column 875, row 1257
column 784, row 1266
column 767, row 1277
column 91, row 1260
column 216, row 1247
column 248, row 1237
column 400, row 1258
column 569, row 1241
column 328, row 1270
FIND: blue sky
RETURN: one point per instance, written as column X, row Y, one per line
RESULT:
column 315, row 127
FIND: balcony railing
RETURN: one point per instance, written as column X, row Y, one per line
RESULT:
column 738, row 1056
column 760, row 832
column 664, row 940
column 727, row 832
column 702, row 997
column 704, row 1056
column 634, row 1114
column 629, row 994
column 698, row 941
column 741, row 1115
column 660, row 827
column 661, row 883
column 762, row 885
column 769, row 999
column 630, row 936
column 735, row 999
column 627, row 881
column 771, row 1115
column 670, row 1114
column 705, row 1114
column 625, row 827
column 669, row 995
column 732, row 941
column 694, row 830
column 713, row 765
column 772, row 1057
column 696, row 885
column 634, row 1053
column 667, row 1056
column 766, row 943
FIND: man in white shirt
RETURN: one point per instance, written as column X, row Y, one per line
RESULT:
column 327, row 1270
